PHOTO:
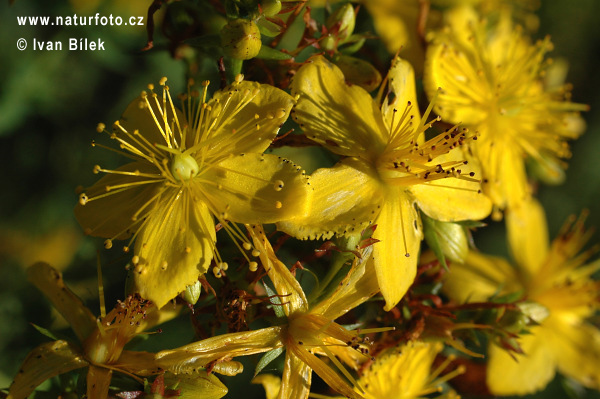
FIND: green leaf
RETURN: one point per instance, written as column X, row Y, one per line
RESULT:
column 432, row 240
column 45, row 332
column 267, row 358
column 268, row 28
column 276, row 301
column 269, row 53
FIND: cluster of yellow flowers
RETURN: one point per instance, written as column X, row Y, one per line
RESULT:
column 401, row 176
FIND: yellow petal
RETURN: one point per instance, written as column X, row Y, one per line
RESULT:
column 528, row 235
column 325, row 371
column 137, row 116
column 345, row 199
column 577, row 349
column 174, row 248
column 457, row 102
column 503, row 168
column 359, row 285
column 343, row 118
column 527, row 373
column 402, row 94
column 50, row 282
column 238, row 129
column 285, row 283
column 111, row 216
column 479, row 278
column 395, row 256
column 200, row 385
column 296, row 379
column 190, row 357
column 255, row 188
column 44, row 362
column 98, row 382
column 271, row 384
column 452, row 199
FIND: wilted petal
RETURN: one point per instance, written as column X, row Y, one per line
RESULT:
column 98, row 382
column 286, row 285
column 296, row 379
column 44, row 362
column 190, row 357
column 50, row 282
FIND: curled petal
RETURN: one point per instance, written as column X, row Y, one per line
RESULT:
column 345, row 199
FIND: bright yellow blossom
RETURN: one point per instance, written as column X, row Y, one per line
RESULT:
column 388, row 174
column 406, row 373
column 308, row 330
column 102, row 342
column 188, row 167
column 491, row 80
column 554, row 279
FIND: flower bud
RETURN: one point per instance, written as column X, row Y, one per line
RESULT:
column 270, row 7
column 240, row 39
column 345, row 18
column 359, row 72
column 547, row 169
column 448, row 238
column 192, row 293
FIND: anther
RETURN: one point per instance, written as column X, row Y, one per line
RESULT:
column 278, row 204
column 83, row 199
column 100, row 128
column 253, row 266
column 97, row 169
column 247, row 246
column 278, row 185
column 255, row 252
column 108, row 244
column 162, row 81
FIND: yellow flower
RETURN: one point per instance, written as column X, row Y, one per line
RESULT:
column 188, row 167
column 492, row 82
column 389, row 172
column 553, row 278
column 102, row 340
column 405, row 373
column 308, row 330
column 397, row 24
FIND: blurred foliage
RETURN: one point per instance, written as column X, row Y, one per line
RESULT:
column 51, row 101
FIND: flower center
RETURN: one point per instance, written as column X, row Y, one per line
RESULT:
column 184, row 167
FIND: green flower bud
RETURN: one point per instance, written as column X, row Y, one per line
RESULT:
column 270, row 7
column 513, row 321
column 359, row 72
column 448, row 238
column 534, row 311
column 547, row 169
column 240, row 39
column 345, row 17
column 192, row 293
